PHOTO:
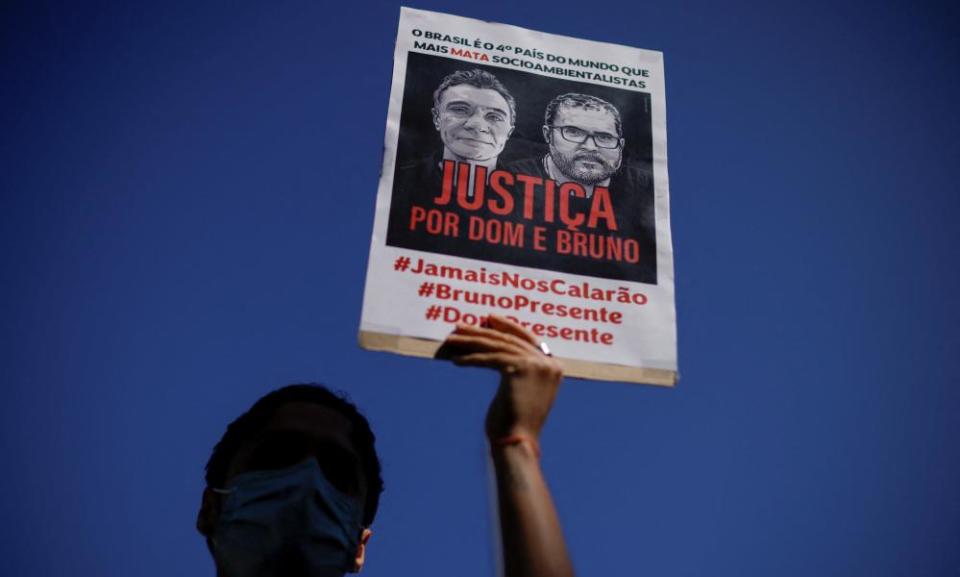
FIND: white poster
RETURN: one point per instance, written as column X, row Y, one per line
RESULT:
column 525, row 174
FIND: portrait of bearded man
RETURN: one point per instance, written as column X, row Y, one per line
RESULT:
column 585, row 136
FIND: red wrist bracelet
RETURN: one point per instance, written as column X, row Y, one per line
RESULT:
column 517, row 440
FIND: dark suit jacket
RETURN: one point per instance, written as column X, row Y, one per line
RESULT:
column 631, row 192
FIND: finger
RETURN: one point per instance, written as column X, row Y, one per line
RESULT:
column 505, row 325
column 447, row 351
column 496, row 333
column 477, row 343
column 453, row 346
column 500, row 361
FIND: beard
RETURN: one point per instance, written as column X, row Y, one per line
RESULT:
column 572, row 166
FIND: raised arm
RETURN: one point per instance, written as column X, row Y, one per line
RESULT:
column 533, row 544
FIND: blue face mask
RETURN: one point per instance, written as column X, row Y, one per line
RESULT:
column 284, row 523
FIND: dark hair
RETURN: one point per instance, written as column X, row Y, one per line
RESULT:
column 478, row 79
column 247, row 425
column 584, row 101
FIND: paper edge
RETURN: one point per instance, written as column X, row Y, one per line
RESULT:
column 425, row 348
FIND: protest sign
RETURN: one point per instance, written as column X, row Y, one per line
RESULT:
column 524, row 174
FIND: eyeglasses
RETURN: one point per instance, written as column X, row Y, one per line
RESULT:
column 579, row 136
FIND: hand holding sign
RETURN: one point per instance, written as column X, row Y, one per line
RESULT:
column 533, row 544
column 529, row 378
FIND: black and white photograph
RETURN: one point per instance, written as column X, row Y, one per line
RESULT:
column 524, row 169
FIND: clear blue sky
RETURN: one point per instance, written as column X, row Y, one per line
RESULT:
column 187, row 199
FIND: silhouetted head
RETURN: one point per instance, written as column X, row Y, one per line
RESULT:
column 270, row 452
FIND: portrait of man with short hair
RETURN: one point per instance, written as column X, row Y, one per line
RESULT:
column 474, row 115
column 586, row 141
